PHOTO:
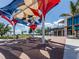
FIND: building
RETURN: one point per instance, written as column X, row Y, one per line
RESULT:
column 65, row 27
column 58, row 29
column 73, row 26
column 58, row 32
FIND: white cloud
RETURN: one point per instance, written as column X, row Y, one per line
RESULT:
column 46, row 25
column 49, row 25
column 60, row 20
column 56, row 24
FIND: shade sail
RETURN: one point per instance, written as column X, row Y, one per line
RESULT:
column 14, row 21
column 46, row 5
column 12, row 6
column 6, row 18
column 30, row 7
column 43, row 5
column 33, row 3
column 29, row 10
column 8, row 10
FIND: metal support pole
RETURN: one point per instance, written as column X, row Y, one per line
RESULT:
column 43, row 30
column 33, row 34
column 65, row 29
column 14, row 32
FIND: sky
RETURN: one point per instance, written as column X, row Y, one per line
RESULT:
column 62, row 7
column 52, row 16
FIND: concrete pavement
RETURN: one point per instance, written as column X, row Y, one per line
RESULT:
column 56, row 53
column 71, row 50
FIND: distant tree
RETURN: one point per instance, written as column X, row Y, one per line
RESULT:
column 1, row 25
column 47, row 30
column 38, row 31
column 4, row 29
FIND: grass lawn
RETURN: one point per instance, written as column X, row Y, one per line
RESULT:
column 23, row 36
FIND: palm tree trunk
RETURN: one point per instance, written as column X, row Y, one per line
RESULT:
column 73, row 25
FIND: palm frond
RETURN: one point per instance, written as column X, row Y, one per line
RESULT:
column 77, row 7
column 72, row 8
column 64, row 15
column 77, row 3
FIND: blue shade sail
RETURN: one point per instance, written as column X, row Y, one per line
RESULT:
column 12, row 7
column 9, row 9
column 21, row 21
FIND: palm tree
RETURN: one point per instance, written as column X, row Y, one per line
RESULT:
column 4, row 29
column 77, row 7
column 73, row 12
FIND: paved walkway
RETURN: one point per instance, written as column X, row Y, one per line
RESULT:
column 26, row 52
column 71, row 50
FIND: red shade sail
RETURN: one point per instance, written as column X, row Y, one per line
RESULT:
column 46, row 5
column 33, row 26
column 36, row 13
column 14, row 21
column 6, row 18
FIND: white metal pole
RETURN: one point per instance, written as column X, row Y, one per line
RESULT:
column 14, row 31
column 65, row 29
column 43, row 29
column 33, row 33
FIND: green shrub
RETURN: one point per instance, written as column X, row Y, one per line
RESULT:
column 6, row 37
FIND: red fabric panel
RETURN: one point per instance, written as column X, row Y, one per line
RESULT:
column 36, row 13
column 46, row 5
column 14, row 21
column 33, row 26
column 6, row 18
